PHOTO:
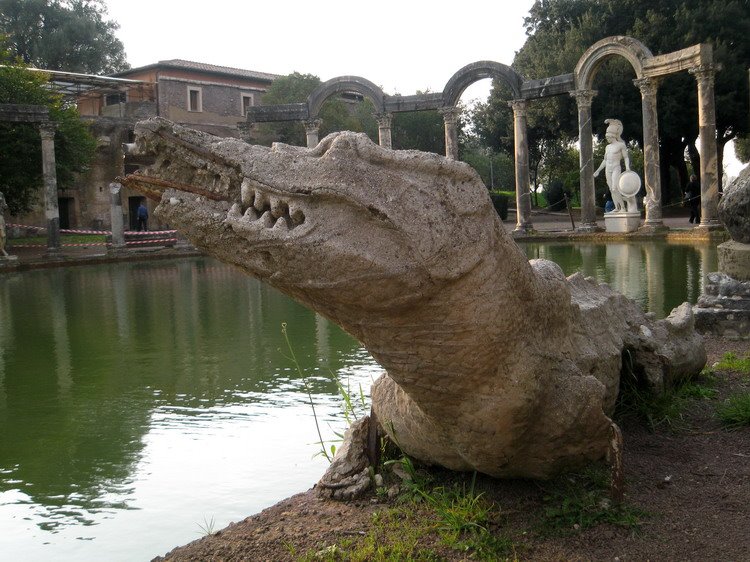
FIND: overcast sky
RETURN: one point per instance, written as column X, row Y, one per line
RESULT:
column 402, row 46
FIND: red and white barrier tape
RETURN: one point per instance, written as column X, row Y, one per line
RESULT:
column 26, row 226
column 73, row 231
column 148, row 232
column 131, row 242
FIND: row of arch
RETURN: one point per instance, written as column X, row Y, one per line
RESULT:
column 697, row 59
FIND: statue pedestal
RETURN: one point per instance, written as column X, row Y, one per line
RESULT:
column 622, row 221
column 734, row 260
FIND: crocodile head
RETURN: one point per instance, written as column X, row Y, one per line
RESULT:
column 346, row 224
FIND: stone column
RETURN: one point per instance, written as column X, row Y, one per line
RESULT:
column 651, row 174
column 52, row 212
column 521, row 148
column 384, row 129
column 312, row 127
column 704, row 74
column 450, row 116
column 115, row 209
column 586, row 140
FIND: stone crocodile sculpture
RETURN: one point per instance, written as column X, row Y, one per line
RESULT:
column 493, row 362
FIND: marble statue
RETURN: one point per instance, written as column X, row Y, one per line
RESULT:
column 3, row 234
column 492, row 362
column 617, row 150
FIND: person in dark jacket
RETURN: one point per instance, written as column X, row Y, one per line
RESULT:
column 693, row 198
column 142, row 216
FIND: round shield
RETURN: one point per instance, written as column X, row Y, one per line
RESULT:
column 630, row 184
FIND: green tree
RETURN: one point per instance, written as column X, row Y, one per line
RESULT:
column 419, row 130
column 559, row 31
column 21, row 156
column 337, row 113
column 68, row 35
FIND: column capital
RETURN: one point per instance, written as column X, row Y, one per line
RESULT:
column 519, row 107
column 450, row 114
column 384, row 119
column 647, row 86
column 47, row 130
column 584, row 97
column 312, row 125
column 704, row 72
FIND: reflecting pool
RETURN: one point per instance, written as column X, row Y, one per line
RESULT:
column 658, row 275
column 141, row 404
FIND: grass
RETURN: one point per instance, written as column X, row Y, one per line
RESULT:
column 730, row 362
column 207, row 527
column 734, row 413
column 427, row 520
column 637, row 401
column 578, row 501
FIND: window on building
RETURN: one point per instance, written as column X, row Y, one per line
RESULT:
column 195, row 103
column 114, row 99
column 247, row 102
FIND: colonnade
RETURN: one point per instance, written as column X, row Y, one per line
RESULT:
column 649, row 69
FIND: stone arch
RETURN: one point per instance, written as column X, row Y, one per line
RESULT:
column 635, row 52
column 340, row 85
column 475, row 71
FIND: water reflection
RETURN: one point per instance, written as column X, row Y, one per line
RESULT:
column 658, row 275
column 98, row 364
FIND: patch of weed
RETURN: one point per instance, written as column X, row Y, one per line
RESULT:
column 574, row 502
column 427, row 518
column 207, row 528
column 639, row 401
column 730, row 362
column 735, row 411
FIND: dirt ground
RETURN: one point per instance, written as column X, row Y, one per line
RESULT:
column 689, row 485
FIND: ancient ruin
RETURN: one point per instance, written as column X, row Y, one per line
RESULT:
column 493, row 363
column 724, row 308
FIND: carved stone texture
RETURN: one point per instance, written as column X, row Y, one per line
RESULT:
column 348, row 476
column 494, row 363
column 734, row 208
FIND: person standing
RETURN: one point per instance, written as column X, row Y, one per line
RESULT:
column 142, row 216
column 693, row 198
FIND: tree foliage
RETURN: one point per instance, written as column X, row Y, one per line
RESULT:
column 559, row 31
column 21, row 155
column 337, row 114
column 67, row 35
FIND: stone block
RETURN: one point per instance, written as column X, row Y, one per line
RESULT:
column 622, row 222
column 734, row 260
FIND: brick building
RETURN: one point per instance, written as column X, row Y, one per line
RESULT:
column 207, row 97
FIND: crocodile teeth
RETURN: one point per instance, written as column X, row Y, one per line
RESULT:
column 247, row 193
column 251, row 214
column 235, row 212
column 267, row 219
column 281, row 224
column 261, row 202
column 278, row 208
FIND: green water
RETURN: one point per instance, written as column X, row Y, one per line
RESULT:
column 140, row 402
column 657, row 275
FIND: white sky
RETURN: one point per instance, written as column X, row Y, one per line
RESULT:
column 402, row 46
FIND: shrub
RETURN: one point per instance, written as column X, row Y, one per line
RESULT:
column 501, row 205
